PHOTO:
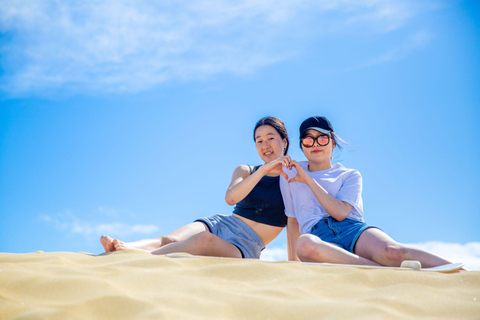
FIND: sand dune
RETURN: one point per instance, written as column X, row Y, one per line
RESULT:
column 136, row 285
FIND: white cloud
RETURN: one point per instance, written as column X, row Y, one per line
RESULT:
column 468, row 253
column 72, row 225
column 413, row 42
column 120, row 45
column 392, row 14
column 274, row 254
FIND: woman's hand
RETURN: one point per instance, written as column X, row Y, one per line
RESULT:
column 302, row 176
column 276, row 166
column 243, row 182
column 336, row 208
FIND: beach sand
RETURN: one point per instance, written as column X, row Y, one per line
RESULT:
column 137, row 285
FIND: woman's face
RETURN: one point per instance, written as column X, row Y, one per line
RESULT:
column 318, row 154
column 269, row 143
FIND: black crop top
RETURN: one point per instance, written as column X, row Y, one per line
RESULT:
column 264, row 203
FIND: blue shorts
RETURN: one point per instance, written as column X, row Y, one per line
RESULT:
column 236, row 232
column 342, row 233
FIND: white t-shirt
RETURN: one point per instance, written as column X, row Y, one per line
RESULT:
column 340, row 182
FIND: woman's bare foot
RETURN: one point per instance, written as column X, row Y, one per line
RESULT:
column 107, row 243
column 120, row 245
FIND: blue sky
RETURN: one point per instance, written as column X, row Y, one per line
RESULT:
column 129, row 118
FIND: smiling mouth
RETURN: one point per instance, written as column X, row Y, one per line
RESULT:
column 268, row 153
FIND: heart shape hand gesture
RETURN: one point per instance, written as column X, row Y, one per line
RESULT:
column 276, row 166
column 301, row 176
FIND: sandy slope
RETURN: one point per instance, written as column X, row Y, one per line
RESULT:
column 136, row 285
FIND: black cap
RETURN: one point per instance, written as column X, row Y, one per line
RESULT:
column 320, row 124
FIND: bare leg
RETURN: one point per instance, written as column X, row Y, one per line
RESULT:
column 203, row 243
column 376, row 245
column 152, row 244
column 194, row 238
column 311, row 248
column 110, row 244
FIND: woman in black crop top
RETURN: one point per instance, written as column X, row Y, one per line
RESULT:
column 258, row 216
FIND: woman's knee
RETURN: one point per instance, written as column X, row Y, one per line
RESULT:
column 205, row 239
column 306, row 247
column 164, row 240
column 395, row 252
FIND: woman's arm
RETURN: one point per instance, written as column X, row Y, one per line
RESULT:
column 293, row 233
column 339, row 210
column 243, row 182
column 293, row 229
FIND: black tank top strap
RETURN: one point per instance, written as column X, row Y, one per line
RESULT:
column 253, row 169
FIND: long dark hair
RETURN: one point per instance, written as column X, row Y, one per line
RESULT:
column 278, row 125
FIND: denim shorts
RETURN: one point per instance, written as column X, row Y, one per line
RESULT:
column 342, row 233
column 236, row 232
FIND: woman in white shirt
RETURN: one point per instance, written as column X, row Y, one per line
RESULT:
column 325, row 202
